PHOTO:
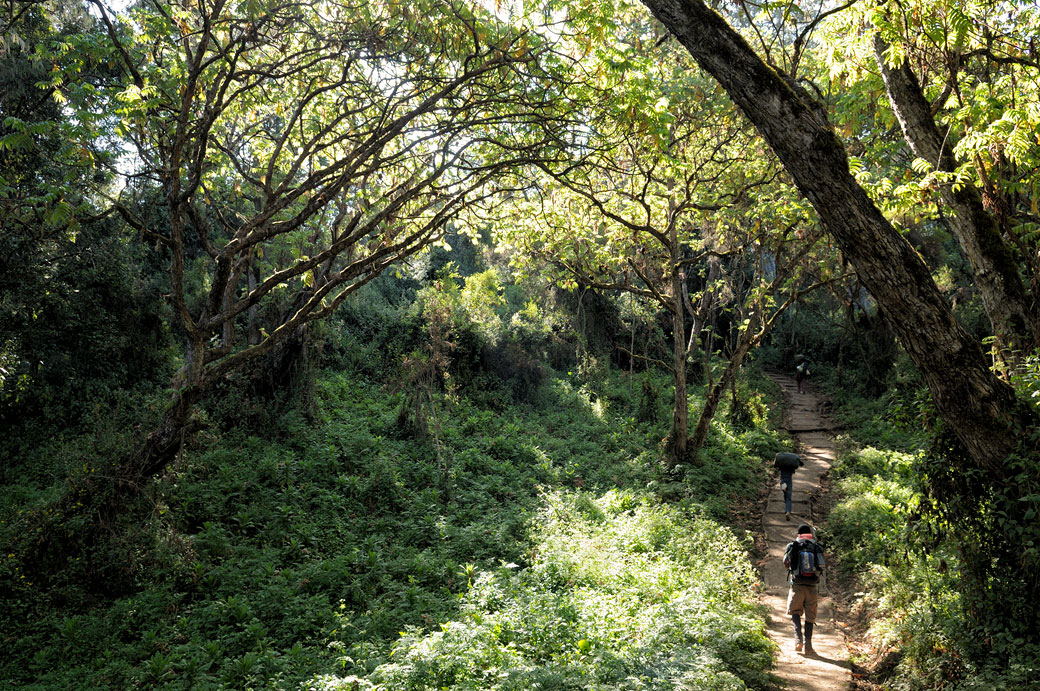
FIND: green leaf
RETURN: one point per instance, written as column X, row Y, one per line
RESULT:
column 921, row 166
column 15, row 141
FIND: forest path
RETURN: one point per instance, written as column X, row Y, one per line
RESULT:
column 829, row 667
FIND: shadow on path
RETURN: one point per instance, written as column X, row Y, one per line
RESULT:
column 829, row 667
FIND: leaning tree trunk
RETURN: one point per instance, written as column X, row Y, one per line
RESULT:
column 1003, row 293
column 749, row 338
column 977, row 406
column 164, row 442
column 711, row 401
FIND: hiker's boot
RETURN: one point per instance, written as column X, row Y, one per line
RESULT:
column 797, row 633
column 787, row 515
column 808, row 638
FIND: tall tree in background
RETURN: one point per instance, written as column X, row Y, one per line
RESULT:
column 301, row 148
column 959, row 78
column 974, row 404
column 667, row 183
column 34, row 215
column 77, row 318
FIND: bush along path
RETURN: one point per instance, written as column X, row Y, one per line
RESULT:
column 828, row 668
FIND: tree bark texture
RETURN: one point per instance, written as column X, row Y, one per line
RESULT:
column 163, row 444
column 978, row 232
column 677, row 441
column 976, row 405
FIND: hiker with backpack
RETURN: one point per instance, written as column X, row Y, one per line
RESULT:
column 804, row 561
column 787, row 462
column 801, row 373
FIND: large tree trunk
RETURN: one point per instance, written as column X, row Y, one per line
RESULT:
column 163, row 444
column 978, row 232
column 677, row 440
column 978, row 407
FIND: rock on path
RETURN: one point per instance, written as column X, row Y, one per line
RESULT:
column 829, row 667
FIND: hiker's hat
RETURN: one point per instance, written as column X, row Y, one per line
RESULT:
column 804, row 528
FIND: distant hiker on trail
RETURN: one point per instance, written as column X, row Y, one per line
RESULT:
column 787, row 462
column 801, row 372
column 804, row 561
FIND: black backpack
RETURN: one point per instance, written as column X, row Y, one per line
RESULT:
column 805, row 559
column 785, row 460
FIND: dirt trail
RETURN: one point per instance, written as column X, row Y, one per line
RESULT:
column 829, row 667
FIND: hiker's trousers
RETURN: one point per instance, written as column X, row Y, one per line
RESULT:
column 787, row 476
column 801, row 600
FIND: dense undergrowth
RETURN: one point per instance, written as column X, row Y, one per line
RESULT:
column 902, row 552
column 524, row 541
column 622, row 592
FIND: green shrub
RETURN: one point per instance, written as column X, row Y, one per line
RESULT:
column 733, row 467
column 621, row 593
column 914, row 577
column 876, row 501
